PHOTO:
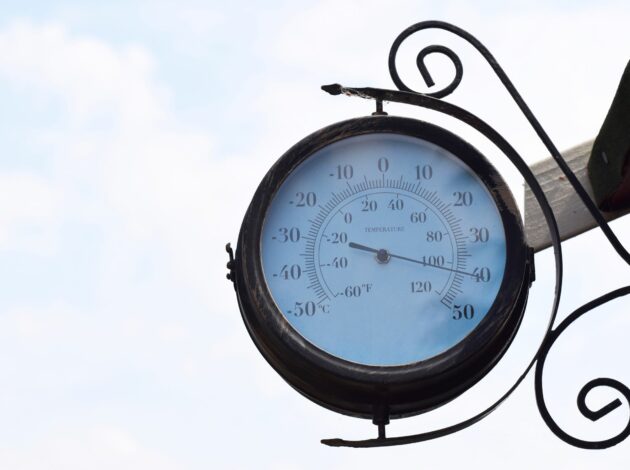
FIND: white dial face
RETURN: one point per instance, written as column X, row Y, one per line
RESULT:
column 383, row 249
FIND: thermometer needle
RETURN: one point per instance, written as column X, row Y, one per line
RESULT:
column 383, row 254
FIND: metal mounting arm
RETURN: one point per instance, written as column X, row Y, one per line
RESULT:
column 431, row 101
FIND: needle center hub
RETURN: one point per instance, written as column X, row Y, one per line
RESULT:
column 383, row 256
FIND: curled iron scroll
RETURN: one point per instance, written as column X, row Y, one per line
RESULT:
column 593, row 415
column 409, row 96
column 424, row 71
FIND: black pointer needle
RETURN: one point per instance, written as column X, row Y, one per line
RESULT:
column 391, row 255
column 382, row 256
column 362, row 247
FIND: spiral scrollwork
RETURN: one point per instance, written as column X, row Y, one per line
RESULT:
column 424, row 71
column 593, row 415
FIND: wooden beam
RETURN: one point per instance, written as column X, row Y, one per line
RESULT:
column 571, row 214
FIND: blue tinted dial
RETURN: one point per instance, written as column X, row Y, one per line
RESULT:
column 383, row 249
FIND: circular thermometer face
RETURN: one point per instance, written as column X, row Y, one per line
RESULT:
column 383, row 249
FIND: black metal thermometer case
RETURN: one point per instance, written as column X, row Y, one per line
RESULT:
column 369, row 391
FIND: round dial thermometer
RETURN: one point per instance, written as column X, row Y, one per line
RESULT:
column 382, row 265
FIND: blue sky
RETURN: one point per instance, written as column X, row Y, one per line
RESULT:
column 134, row 135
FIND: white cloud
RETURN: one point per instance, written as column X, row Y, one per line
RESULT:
column 29, row 211
column 119, row 153
column 104, row 447
column 90, row 76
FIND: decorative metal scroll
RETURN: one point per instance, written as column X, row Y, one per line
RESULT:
column 433, row 101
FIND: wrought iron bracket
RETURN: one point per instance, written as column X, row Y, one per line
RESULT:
column 433, row 101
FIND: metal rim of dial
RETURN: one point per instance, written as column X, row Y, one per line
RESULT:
column 357, row 389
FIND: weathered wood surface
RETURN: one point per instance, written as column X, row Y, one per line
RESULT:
column 571, row 214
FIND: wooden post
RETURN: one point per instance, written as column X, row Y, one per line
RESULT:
column 571, row 215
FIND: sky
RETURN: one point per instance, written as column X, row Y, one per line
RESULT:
column 134, row 135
